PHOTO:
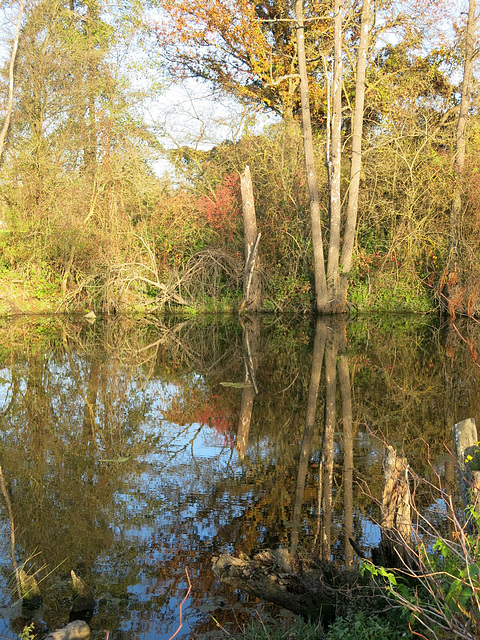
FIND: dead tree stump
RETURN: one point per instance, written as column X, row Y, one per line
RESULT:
column 252, row 286
column 396, row 525
column 468, row 460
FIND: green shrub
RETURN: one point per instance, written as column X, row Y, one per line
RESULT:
column 358, row 626
column 301, row 629
column 363, row 627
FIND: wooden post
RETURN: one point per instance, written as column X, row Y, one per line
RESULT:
column 31, row 596
column 252, row 287
column 396, row 525
column 468, row 458
column 396, row 495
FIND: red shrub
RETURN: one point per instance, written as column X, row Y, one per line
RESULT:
column 222, row 212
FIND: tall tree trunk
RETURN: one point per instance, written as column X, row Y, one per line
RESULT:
column 91, row 143
column 357, row 131
column 470, row 54
column 321, row 291
column 333, row 271
column 8, row 505
column 13, row 55
column 90, row 401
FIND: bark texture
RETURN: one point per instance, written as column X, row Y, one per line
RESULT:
column 357, row 132
column 11, row 67
column 468, row 459
column 252, row 286
column 251, row 349
column 321, row 292
column 333, row 271
column 308, row 586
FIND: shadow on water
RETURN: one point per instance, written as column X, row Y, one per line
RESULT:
column 132, row 452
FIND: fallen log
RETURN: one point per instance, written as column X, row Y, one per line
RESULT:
column 308, row 586
column 316, row 588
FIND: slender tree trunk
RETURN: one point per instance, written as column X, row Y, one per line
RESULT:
column 8, row 505
column 456, row 209
column 357, row 131
column 91, row 143
column 13, row 55
column 321, row 291
column 90, row 405
column 333, row 271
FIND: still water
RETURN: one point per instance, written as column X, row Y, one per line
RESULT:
column 134, row 452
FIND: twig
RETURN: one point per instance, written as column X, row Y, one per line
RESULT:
column 218, row 625
column 181, row 606
column 415, row 633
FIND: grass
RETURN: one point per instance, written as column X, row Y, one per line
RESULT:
column 19, row 296
column 357, row 626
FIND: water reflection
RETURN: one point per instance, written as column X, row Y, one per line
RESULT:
column 132, row 451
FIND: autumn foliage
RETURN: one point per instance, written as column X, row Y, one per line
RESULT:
column 93, row 225
column 222, row 212
column 245, row 49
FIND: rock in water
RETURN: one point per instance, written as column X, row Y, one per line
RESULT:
column 31, row 596
column 83, row 603
column 78, row 630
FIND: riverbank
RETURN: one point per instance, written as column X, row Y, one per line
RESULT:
column 39, row 293
column 21, row 296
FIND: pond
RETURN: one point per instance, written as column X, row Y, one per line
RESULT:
column 135, row 451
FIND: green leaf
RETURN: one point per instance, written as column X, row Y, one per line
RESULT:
column 388, row 575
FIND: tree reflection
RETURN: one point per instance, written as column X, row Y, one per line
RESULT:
column 251, row 345
column 348, row 469
column 319, row 341
column 127, row 459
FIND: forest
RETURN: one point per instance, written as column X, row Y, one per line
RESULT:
column 365, row 175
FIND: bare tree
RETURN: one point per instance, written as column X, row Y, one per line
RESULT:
column 466, row 88
column 321, row 290
column 335, row 157
column 11, row 66
column 330, row 286
column 357, row 131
